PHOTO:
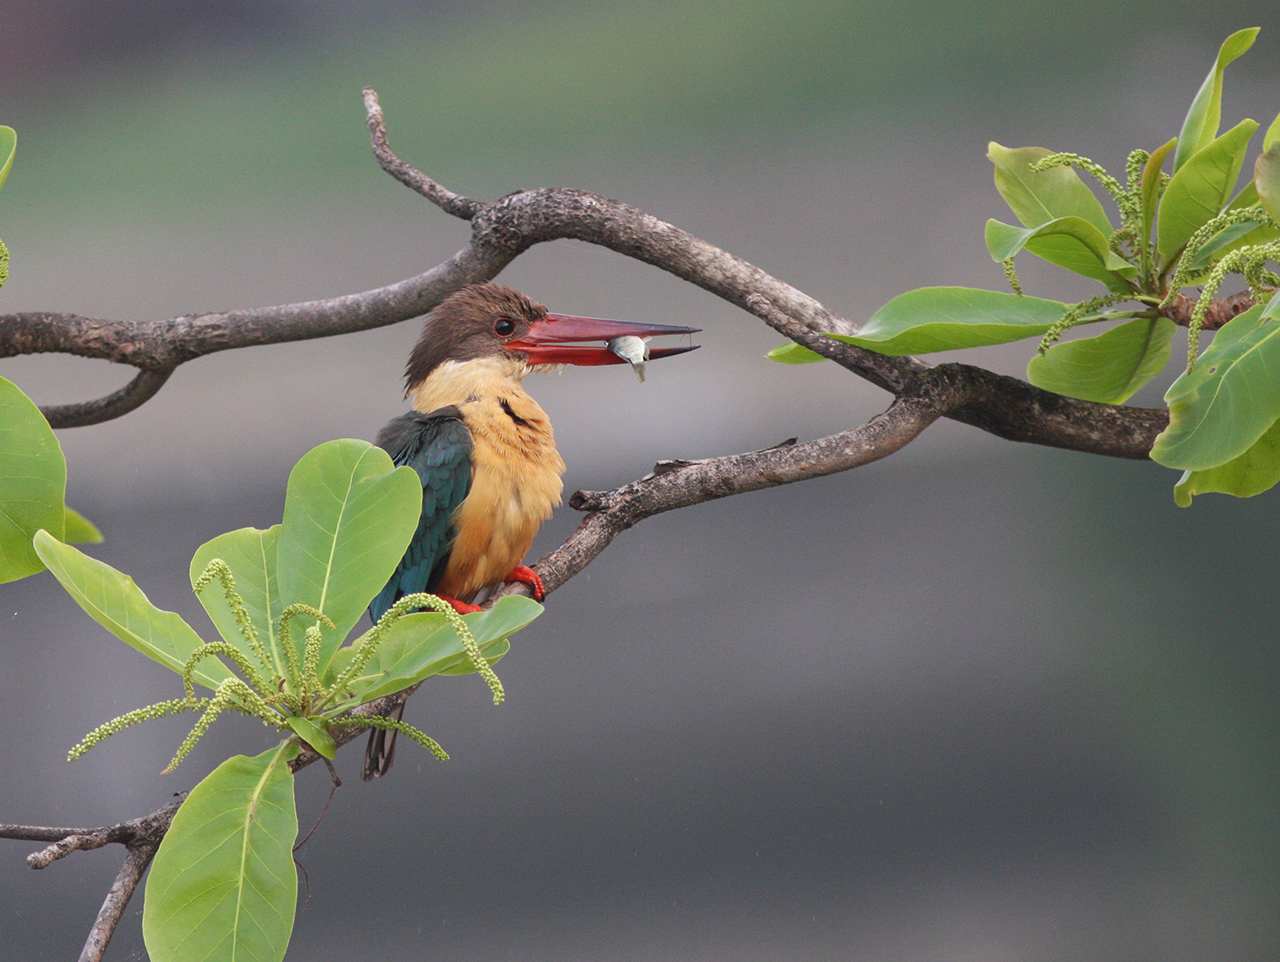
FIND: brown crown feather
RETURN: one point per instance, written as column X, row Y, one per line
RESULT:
column 460, row 328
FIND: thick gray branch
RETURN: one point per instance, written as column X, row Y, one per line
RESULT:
column 503, row 230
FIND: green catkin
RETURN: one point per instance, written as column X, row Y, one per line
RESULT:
column 1182, row 274
column 217, row 568
column 222, row 699
column 161, row 709
column 403, row 728
column 1075, row 315
column 1249, row 261
column 1011, row 274
column 311, row 658
column 266, row 697
column 1092, row 168
column 227, row 651
column 286, row 623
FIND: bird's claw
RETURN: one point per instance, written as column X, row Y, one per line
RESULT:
column 526, row 575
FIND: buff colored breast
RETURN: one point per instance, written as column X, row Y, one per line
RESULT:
column 515, row 470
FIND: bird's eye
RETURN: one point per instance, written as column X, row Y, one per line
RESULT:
column 504, row 327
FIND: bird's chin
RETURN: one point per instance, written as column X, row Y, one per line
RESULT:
column 544, row 368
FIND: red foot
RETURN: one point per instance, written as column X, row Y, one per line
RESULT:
column 525, row 574
column 461, row 607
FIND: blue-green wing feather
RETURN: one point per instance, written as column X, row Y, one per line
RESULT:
column 438, row 447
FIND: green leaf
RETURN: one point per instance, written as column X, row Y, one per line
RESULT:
column 423, row 644
column 1266, row 180
column 1272, row 135
column 33, row 479
column 1038, row 197
column 1070, row 242
column 947, row 318
column 1200, row 189
column 115, row 602
column 348, row 517
column 1253, row 472
column 1108, row 368
column 1151, row 186
column 1271, row 309
column 223, row 885
column 8, row 143
column 1230, row 399
column 1201, row 124
column 313, row 735
column 793, row 353
column 79, row 529
column 250, row 553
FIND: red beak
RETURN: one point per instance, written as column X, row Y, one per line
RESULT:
column 547, row 341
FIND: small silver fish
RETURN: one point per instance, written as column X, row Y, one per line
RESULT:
column 634, row 350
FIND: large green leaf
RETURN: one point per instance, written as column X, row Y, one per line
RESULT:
column 223, row 887
column 33, row 479
column 348, row 517
column 423, row 644
column 1070, row 242
column 946, row 318
column 1253, row 472
column 8, row 143
column 1220, row 409
column 1108, row 368
column 1201, row 124
column 1041, row 196
column 250, row 553
column 1201, row 188
column 115, row 602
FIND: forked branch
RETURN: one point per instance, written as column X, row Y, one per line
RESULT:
column 500, row 232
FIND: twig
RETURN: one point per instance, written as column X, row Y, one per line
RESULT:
column 411, row 177
column 140, row 836
column 138, row 856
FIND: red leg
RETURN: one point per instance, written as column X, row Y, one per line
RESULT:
column 528, row 576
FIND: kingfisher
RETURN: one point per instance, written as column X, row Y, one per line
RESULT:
column 482, row 446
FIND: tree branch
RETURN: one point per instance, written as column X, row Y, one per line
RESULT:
column 141, row 838
column 411, row 177
column 501, row 231
column 1219, row 311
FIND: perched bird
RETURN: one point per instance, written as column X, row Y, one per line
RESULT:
column 483, row 447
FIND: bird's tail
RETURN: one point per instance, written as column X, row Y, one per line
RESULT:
column 380, row 752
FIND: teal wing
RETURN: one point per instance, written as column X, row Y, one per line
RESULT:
column 438, row 447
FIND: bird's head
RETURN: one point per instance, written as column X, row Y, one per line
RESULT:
column 483, row 321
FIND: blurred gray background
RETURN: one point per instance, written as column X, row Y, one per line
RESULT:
column 976, row 702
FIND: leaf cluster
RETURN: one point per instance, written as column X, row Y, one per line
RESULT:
column 283, row 601
column 1188, row 227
